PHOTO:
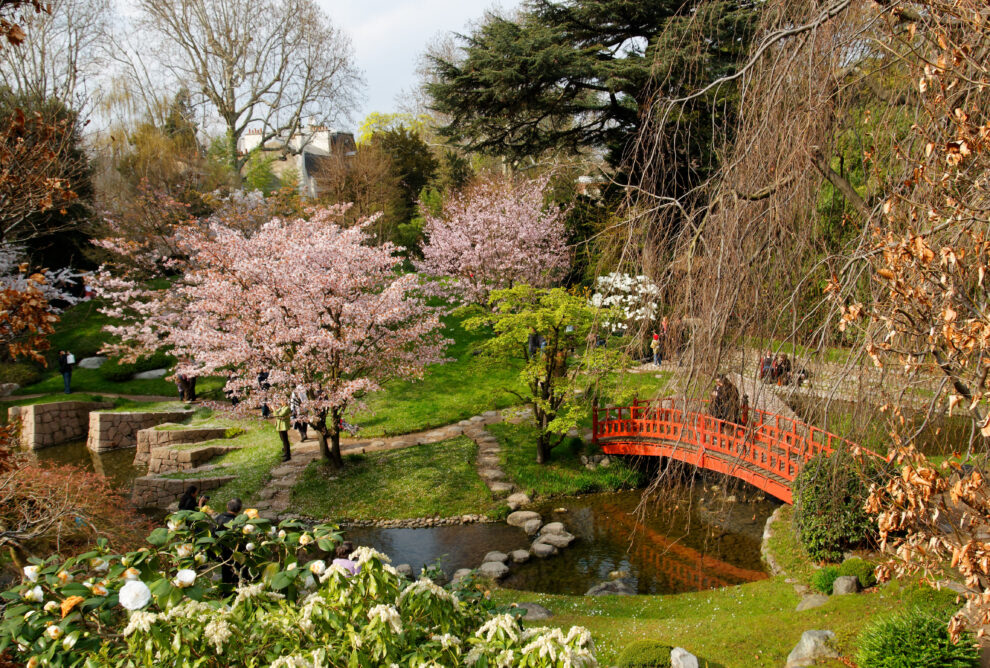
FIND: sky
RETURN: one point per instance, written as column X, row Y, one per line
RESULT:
column 390, row 35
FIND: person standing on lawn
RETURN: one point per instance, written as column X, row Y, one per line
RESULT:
column 65, row 362
column 282, row 415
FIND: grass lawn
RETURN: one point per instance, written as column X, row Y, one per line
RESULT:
column 448, row 393
column 90, row 380
column 564, row 473
column 420, row 481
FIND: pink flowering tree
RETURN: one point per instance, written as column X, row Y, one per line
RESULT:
column 494, row 235
column 312, row 303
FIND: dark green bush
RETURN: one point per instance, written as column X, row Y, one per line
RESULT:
column 22, row 373
column 863, row 570
column 829, row 494
column 824, row 578
column 645, row 654
column 117, row 372
column 916, row 638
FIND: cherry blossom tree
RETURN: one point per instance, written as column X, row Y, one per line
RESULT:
column 494, row 235
column 310, row 302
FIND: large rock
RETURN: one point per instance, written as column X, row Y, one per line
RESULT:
column 519, row 556
column 532, row 527
column 542, row 550
column 500, row 557
column 534, row 612
column 151, row 375
column 558, row 540
column 91, row 362
column 460, row 574
column 553, row 527
column 611, row 588
column 493, row 569
column 812, row 601
column 814, row 645
column 681, row 658
column 845, row 584
column 518, row 500
column 404, row 569
column 520, row 517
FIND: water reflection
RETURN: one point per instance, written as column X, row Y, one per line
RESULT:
column 115, row 465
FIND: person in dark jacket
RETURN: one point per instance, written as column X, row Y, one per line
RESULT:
column 227, row 573
column 188, row 499
column 65, row 367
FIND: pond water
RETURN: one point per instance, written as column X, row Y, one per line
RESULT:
column 116, row 465
column 684, row 544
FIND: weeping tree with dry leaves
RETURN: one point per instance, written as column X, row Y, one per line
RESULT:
column 850, row 210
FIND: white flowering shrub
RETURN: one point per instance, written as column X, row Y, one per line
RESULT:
column 166, row 605
column 633, row 298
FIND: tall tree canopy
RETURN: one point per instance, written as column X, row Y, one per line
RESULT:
column 575, row 75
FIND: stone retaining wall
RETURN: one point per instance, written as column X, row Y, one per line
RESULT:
column 153, row 437
column 44, row 425
column 168, row 459
column 109, row 431
column 154, row 492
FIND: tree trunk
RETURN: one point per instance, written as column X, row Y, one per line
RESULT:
column 329, row 452
column 542, row 449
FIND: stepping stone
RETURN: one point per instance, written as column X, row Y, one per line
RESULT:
column 558, row 540
column 500, row 489
column 283, row 471
column 519, row 498
column 476, row 419
column 488, row 461
column 400, row 444
column 491, row 474
column 465, row 423
column 266, row 493
column 520, row 517
column 495, row 570
column 377, row 444
column 495, row 555
column 285, row 483
column 519, row 556
column 543, row 550
column 812, row 601
column 534, row 611
column 612, row 588
column 532, row 527
column 490, row 414
column 405, row 570
column 553, row 527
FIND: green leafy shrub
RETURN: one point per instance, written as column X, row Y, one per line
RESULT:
column 916, row 638
column 117, row 372
column 165, row 606
column 22, row 373
column 863, row 570
column 829, row 493
column 824, row 578
column 645, row 654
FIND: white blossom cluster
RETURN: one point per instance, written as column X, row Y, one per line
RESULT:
column 53, row 287
column 634, row 297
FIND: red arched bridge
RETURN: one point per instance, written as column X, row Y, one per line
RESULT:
column 767, row 451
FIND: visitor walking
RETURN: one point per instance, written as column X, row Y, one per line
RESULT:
column 744, row 411
column 296, row 402
column 655, row 346
column 282, row 414
column 188, row 499
column 65, row 362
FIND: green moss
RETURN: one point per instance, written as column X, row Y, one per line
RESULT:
column 645, row 654
column 419, row 481
column 786, row 548
column 863, row 570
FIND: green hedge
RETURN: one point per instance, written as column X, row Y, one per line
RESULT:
column 863, row 570
column 645, row 654
column 916, row 638
column 22, row 373
column 117, row 372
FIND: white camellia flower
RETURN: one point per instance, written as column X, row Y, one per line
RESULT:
column 131, row 574
column 305, row 539
column 99, row 565
column 184, row 550
column 185, row 578
column 281, row 534
column 317, row 567
column 69, row 642
column 292, row 566
column 249, row 529
column 34, row 594
column 51, row 607
column 175, row 526
column 31, row 573
column 249, row 547
column 98, row 589
column 271, row 530
column 135, row 595
column 54, row 632
column 33, row 662
column 64, row 578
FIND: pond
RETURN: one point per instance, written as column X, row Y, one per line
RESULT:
column 685, row 544
column 116, row 465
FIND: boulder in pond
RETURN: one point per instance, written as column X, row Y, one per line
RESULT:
column 814, row 645
column 493, row 569
column 460, row 574
column 404, row 569
column 553, row 527
column 518, row 500
column 611, row 588
column 495, row 555
column 845, row 584
column 532, row 527
column 558, row 540
column 542, row 550
column 534, row 611
column 520, row 517
column 519, row 556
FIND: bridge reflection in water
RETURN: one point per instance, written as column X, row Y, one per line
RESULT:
column 767, row 452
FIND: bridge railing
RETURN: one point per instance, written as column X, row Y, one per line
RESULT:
column 767, row 442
